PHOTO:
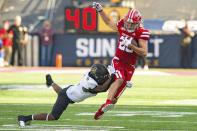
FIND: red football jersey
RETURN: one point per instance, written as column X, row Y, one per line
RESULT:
column 122, row 52
column 6, row 42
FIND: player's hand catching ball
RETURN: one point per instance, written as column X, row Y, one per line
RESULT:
column 49, row 80
column 97, row 6
column 131, row 41
column 128, row 41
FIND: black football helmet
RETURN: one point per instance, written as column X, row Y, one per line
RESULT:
column 99, row 73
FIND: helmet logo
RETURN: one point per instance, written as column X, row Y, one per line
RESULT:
column 138, row 15
column 133, row 17
column 93, row 70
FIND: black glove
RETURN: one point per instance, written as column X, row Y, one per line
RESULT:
column 49, row 80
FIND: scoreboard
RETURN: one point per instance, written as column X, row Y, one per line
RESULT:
column 80, row 19
column 87, row 20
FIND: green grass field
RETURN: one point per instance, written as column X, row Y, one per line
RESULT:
column 153, row 103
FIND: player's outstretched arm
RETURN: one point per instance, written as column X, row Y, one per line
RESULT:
column 104, row 16
column 104, row 87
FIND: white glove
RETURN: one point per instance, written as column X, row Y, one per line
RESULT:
column 128, row 41
column 111, row 69
column 97, row 6
column 129, row 84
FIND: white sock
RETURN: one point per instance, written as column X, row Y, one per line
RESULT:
column 47, row 117
column 32, row 117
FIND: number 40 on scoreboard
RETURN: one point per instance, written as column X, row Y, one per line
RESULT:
column 80, row 20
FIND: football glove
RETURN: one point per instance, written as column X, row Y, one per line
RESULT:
column 97, row 6
column 49, row 80
column 129, row 84
column 111, row 69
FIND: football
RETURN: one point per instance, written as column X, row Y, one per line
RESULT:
column 134, row 42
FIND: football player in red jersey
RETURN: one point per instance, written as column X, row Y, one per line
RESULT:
column 132, row 43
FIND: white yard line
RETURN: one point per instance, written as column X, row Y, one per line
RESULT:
column 144, row 113
column 65, row 127
column 138, row 121
column 24, row 87
column 179, row 102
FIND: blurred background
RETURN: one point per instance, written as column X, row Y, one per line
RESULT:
column 70, row 33
column 36, row 36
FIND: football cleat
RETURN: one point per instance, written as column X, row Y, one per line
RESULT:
column 104, row 108
column 49, row 80
column 22, row 122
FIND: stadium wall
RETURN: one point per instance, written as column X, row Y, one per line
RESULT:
column 84, row 50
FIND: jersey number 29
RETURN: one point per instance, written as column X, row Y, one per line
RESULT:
column 122, row 45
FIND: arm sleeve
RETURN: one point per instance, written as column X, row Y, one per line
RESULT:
column 88, row 82
column 91, row 84
column 145, row 34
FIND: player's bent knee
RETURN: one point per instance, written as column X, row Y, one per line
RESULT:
column 61, row 93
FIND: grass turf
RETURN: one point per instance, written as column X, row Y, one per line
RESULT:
column 123, row 117
column 153, row 103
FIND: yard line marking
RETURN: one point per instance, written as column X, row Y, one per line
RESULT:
column 141, row 121
column 125, row 107
column 180, row 102
column 144, row 113
column 2, row 118
column 65, row 126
